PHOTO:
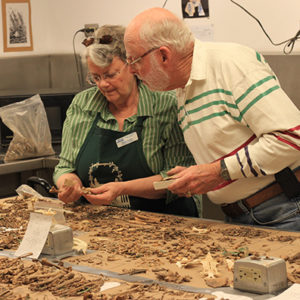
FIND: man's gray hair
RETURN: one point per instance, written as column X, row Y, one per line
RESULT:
column 108, row 43
column 167, row 32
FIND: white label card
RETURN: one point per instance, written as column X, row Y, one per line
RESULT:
column 292, row 293
column 35, row 236
column 162, row 185
column 127, row 139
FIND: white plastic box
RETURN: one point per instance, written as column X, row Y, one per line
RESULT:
column 260, row 275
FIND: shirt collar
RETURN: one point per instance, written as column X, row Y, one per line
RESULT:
column 98, row 103
column 94, row 101
column 144, row 109
column 198, row 70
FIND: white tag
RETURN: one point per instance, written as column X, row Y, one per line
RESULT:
column 109, row 285
column 52, row 205
column 163, row 184
column 292, row 293
column 35, row 235
column 127, row 139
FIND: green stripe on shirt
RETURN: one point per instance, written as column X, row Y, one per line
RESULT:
column 258, row 56
column 259, row 97
column 215, row 91
column 252, row 87
column 223, row 102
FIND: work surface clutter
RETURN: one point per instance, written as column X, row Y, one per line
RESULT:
column 162, row 248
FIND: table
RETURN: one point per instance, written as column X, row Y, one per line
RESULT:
column 153, row 255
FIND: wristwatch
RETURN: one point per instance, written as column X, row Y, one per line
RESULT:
column 224, row 172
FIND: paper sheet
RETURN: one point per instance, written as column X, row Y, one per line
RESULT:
column 292, row 293
column 222, row 295
column 163, row 184
column 109, row 285
column 35, row 236
column 56, row 206
column 202, row 30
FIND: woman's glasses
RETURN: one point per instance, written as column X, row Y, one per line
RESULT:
column 94, row 79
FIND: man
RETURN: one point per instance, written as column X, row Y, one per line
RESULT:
column 240, row 126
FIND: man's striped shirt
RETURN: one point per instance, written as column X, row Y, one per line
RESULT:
column 234, row 108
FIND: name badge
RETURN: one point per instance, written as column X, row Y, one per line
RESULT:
column 127, row 139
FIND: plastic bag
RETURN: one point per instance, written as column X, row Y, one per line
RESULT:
column 25, row 190
column 28, row 121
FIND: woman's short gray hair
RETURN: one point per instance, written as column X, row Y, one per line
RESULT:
column 168, row 32
column 108, row 43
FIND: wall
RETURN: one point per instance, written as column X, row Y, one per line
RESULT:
column 45, row 73
column 55, row 22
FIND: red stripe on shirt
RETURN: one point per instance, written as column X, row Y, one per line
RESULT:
column 250, row 140
column 239, row 148
column 288, row 142
column 225, row 183
column 295, row 128
column 230, row 154
column 295, row 136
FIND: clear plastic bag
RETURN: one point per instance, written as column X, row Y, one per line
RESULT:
column 28, row 121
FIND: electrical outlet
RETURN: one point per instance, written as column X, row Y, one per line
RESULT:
column 249, row 274
column 89, row 29
column 260, row 274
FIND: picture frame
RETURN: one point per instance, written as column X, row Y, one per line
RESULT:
column 17, row 30
column 195, row 9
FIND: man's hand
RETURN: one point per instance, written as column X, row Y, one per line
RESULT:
column 197, row 179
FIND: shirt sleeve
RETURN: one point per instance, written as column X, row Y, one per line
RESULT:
column 66, row 160
column 275, row 122
column 73, row 135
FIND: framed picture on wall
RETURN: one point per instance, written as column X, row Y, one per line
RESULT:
column 195, row 8
column 17, row 32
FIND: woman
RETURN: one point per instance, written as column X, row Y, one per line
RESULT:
column 119, row 137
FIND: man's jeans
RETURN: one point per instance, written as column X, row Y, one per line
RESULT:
column 278, row 212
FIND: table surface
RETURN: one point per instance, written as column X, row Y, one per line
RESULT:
column 141, row 249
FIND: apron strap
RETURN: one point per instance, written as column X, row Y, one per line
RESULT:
column 139, row 124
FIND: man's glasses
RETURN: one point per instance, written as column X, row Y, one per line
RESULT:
column 132, row 61
column 94, row 79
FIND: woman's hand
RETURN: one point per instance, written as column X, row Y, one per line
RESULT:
column 69, row 186
column 104, row 194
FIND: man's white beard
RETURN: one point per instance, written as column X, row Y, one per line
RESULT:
column 158, row 79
